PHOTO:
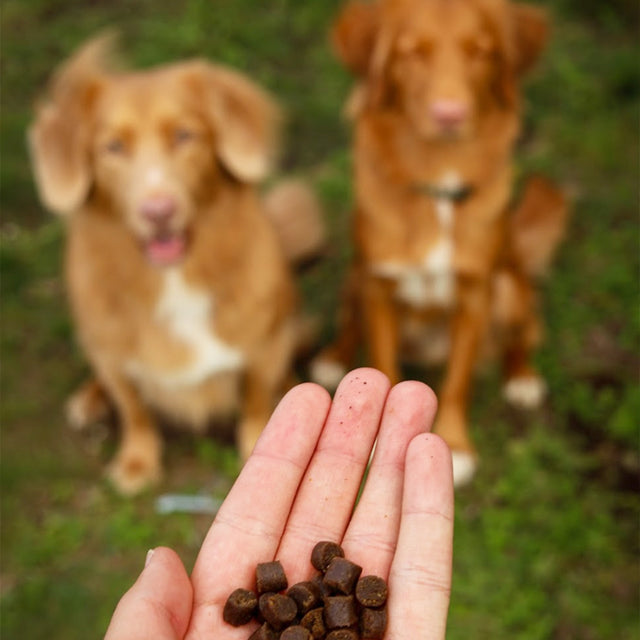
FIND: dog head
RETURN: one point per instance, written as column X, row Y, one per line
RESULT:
column 444, row 64
column 150, row 146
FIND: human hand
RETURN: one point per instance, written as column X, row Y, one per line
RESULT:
column 300, row 486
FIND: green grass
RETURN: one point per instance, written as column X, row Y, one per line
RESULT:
column 546, row 542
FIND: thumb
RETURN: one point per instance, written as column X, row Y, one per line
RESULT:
column 158, row 605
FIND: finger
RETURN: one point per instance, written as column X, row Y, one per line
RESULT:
column 420, row 577
column 330, row 486
column 370, row 540
column 158, row 605
column 248, row 527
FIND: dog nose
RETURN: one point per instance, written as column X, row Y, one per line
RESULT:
column 449, row 113
column 158, row 208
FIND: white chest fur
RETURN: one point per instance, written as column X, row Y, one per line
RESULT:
column 430, row 282
column 186, row 313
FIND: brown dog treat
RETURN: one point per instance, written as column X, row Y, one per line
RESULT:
column 341, row 575
column 373, row 623
column 323, row 553
column 314, row 622
column 278, row 610
column 307, row 596
column 264, row 632
column 340, row 612
column 371, row 591
column 296, row 632
column 240, row 607
column 343, row 634
column 270, row 577
column 318, row 580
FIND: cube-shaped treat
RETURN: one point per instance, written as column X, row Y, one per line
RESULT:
column 340, row 612
column 278, row 610
column 371, row 591
column 314, row 622
column 270, row 577
column 240, row 607
column 307, row 596
column 296, row 632
column 373, row 623
column 341, row 575
column 318, row 580
column 264, row 632
column 323, row 553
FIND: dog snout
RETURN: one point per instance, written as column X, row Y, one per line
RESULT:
column 158, row 209
column 449, row 114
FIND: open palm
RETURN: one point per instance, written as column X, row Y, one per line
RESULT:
column 300, row 486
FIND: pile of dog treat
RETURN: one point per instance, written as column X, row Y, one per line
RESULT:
column 336, row 604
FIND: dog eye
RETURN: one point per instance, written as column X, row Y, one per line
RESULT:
column 115, row 146
column 181, row 135
column 408, row 44
column 479, row 48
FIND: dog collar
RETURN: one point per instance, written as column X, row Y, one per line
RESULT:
column 456, row 194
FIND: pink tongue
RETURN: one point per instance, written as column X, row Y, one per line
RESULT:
column 166, row 250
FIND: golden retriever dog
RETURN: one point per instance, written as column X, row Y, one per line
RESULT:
column 181, row 289
column 442, row 260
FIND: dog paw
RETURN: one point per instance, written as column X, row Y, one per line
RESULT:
column 77, row 414
column 464, row 467
column 87, row 406
column 84, row 409
column 526, row 392
column 327, row 373
column 130, row 474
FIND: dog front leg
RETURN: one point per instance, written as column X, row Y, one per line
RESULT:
column 381, row 326
column 332, row 363
column 519, row 329
column 468, row 328
column 137, row 463
column 265, row 381
column 258, row 402
column 524, row 387
column 88, row 405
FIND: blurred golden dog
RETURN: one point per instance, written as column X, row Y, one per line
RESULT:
column 180, row 286
column 439, row 258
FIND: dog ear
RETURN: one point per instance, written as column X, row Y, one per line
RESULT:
column 245, row 118
column 354, row 35
column 530, row 34
column 364, row 47
column 58, row 139
column 58, row 152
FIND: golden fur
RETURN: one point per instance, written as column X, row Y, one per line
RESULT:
column 180, row 288
column 439, row 258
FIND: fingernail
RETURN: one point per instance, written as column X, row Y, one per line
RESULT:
column 148, row 558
